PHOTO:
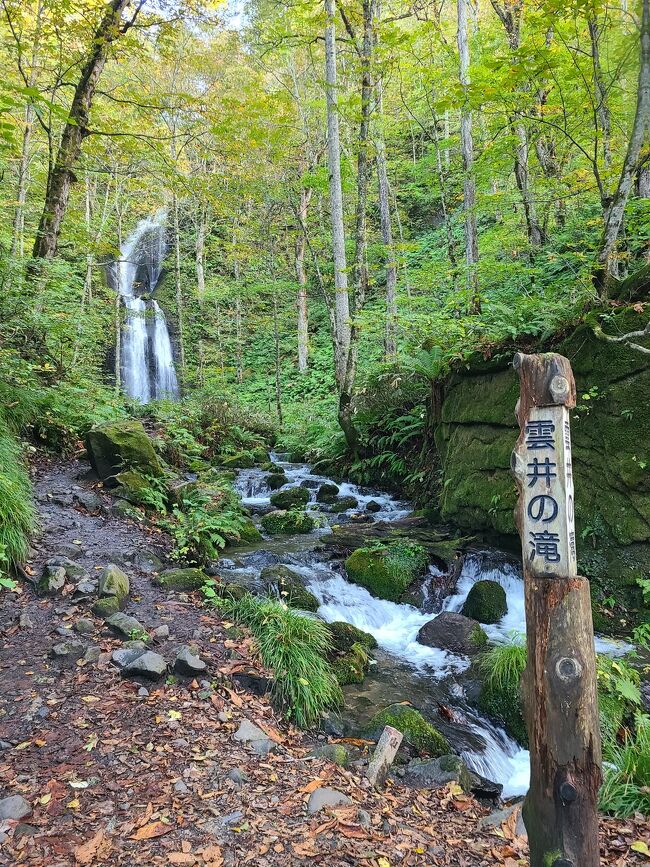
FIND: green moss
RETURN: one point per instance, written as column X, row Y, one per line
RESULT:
column 283, row 522
column 486, row 602
column 416, row 730
column 342, row 504
column 503, row 705
column 276, row 480
column 387, row 570
column 335, row 753
column 478, row 637
column 327, row 493
column 121, row 445
column 184, row 580
column 133, row 486
column 344, row 635
column 290, row 498
column 106, row 607
column 240, row 461
column 288, row 586
column 248, row 532
column 352, row 666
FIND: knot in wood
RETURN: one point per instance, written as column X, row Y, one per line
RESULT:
column 567, row 669
column 559, row 388
column 568, row 792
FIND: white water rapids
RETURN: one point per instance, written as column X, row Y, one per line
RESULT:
column 147, row 359
column 395, row 626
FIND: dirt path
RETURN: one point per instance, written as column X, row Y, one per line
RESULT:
column 118, row 771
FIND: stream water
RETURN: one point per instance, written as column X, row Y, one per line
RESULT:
column 405, row 670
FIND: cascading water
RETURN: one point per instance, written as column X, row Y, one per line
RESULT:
column 407, row 670
column 146, row 358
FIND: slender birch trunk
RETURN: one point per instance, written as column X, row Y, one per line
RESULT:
column 201, row 228
column 390, row 346
column 301, row 277
column 177, row 280
column 467, row 153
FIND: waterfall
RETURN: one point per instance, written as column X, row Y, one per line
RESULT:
column 146, row 357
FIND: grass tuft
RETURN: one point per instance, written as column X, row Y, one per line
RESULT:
column 16, row 507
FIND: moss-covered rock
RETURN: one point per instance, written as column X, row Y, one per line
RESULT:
column 335, row 753
column 107, row 606
column 184, row 580
column 290, row 498
column 351, row 667
column 113, row 582
column 180, row 490
column 249, row 533
column 327, row 493
column 387, row 570
column 134, row 487
column 344, row 635
column 419, row 733
column 121, row 445
column 342, row 504
column 503, row 706
column 240, row 461
column 276, row 480
column 486, row 602
column 288, row 586
column 283, row 522
column 455, row 633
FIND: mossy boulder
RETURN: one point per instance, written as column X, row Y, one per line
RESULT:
column 121, row 445
column 260, row 455
column 419, row 733
column 249, row 533
column 290, row 498
column 288, row 586
column 107, row 606
column 503, row 706
column 276, row 480
column 486, row 602
column 327, row 493
column 386, row 570
column 336, row 753
column 351, row 667
column 342, row 504
column 455, row 633
column 180, row 490
column 184, row 580
column 113, row 582
column 283, row 522
column 240, row 461
column 133, row 486
column 344, row 635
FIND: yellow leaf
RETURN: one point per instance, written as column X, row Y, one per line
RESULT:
column 174, row 714
column 89, row 699
column 24, row 745
column 79, row 784
column 73, row 804
column 383, row 862
column 92, row 743
column 39, row 742
column 640, row 846
column 45, row 799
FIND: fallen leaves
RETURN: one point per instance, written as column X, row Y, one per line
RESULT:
column 86, row 853
column 153, row 829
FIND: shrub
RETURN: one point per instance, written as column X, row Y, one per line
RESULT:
column 16, row 509
column 626, row 782
column 294, row 647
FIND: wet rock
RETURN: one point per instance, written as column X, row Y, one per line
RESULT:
column 188, row 662
column 332, row 724
column 24, row 830
column 240, row 461
column 143, row 692
column 84, row 589
column 115, row 446
column 281, row 522
column 161, row 632
column 52, row 580
column 106, row 607
column 114, row 582
column 386, row 570
column 486, row 602
column 93, row 653
column 455, row 633
column 259, row 559
column 276, row 480
column 288, row 585
column 124, row 655
column 418, row 733
column 290, row 498
column 363, row 817
column 72, row 569
column 310, row 484
column 344, row 635
column 343, row 504
column 5, row 745
column 69, row 550
column 498, row 817
column 326, row 797
column 181, row 579
column 69, row 651
column 84, row 626
column 124, row 509
column 146, row 561
column 91, row 502
column 327, row 493
column 373, row 506
column 484, row 789
column 435, row 773
column 15, row 807
column 150, row 665
column 335, row 753
column 125, row 626
column 256, row 684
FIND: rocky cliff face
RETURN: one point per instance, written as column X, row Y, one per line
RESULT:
column 611, row 452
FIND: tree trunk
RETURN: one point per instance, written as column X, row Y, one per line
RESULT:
column 301, row 277
column 641, row 125
column 386, row 233
column 341, row 299
column 522, row 176
column 600, row 91
column 238, row 343
column 200, row 253
column 276, row 341
column 179, row 289
column 75, row 131
column 467, row 153
column 363, row 167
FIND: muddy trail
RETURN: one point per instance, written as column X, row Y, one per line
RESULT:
column 97, row 768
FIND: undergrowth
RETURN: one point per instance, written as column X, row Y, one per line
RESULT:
column 16, row 508
column 294, row 647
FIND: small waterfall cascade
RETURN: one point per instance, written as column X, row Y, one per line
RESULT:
column 146, row 356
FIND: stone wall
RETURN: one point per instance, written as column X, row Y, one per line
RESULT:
column 611, row 450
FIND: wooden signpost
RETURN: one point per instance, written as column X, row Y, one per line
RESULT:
column 559, row 684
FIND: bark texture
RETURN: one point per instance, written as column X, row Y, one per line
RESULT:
column 467, row 153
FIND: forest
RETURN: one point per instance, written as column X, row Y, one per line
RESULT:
column 264, row 269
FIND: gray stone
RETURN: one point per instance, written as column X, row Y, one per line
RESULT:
column 65, row 631
column 24, row 830
column 326, row 797
column 336, row 753
column 69, row 650
column 498, row 817
column 434, row 773
column 72, row 569
column 15, row 807
column 84, row 626
column 93, row 653
column 146, row 561
column 364, row 819
column 373, row 506
column 238, row 776
column 181, row 788
column 91, row 502
column 106, row 607
column 143, row 692
column 113, row 582
column 5, row 745
column 25, row 621
column 124, row 625
column 124, row 655
column 150, row 665
column 69, row 550
column 453, row 632
column 161, row 632
column 188, row 662
column 85, row 588
column 250, row 734
column 52, row 580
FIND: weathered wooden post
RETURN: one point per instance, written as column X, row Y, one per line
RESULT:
column 559, row 684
